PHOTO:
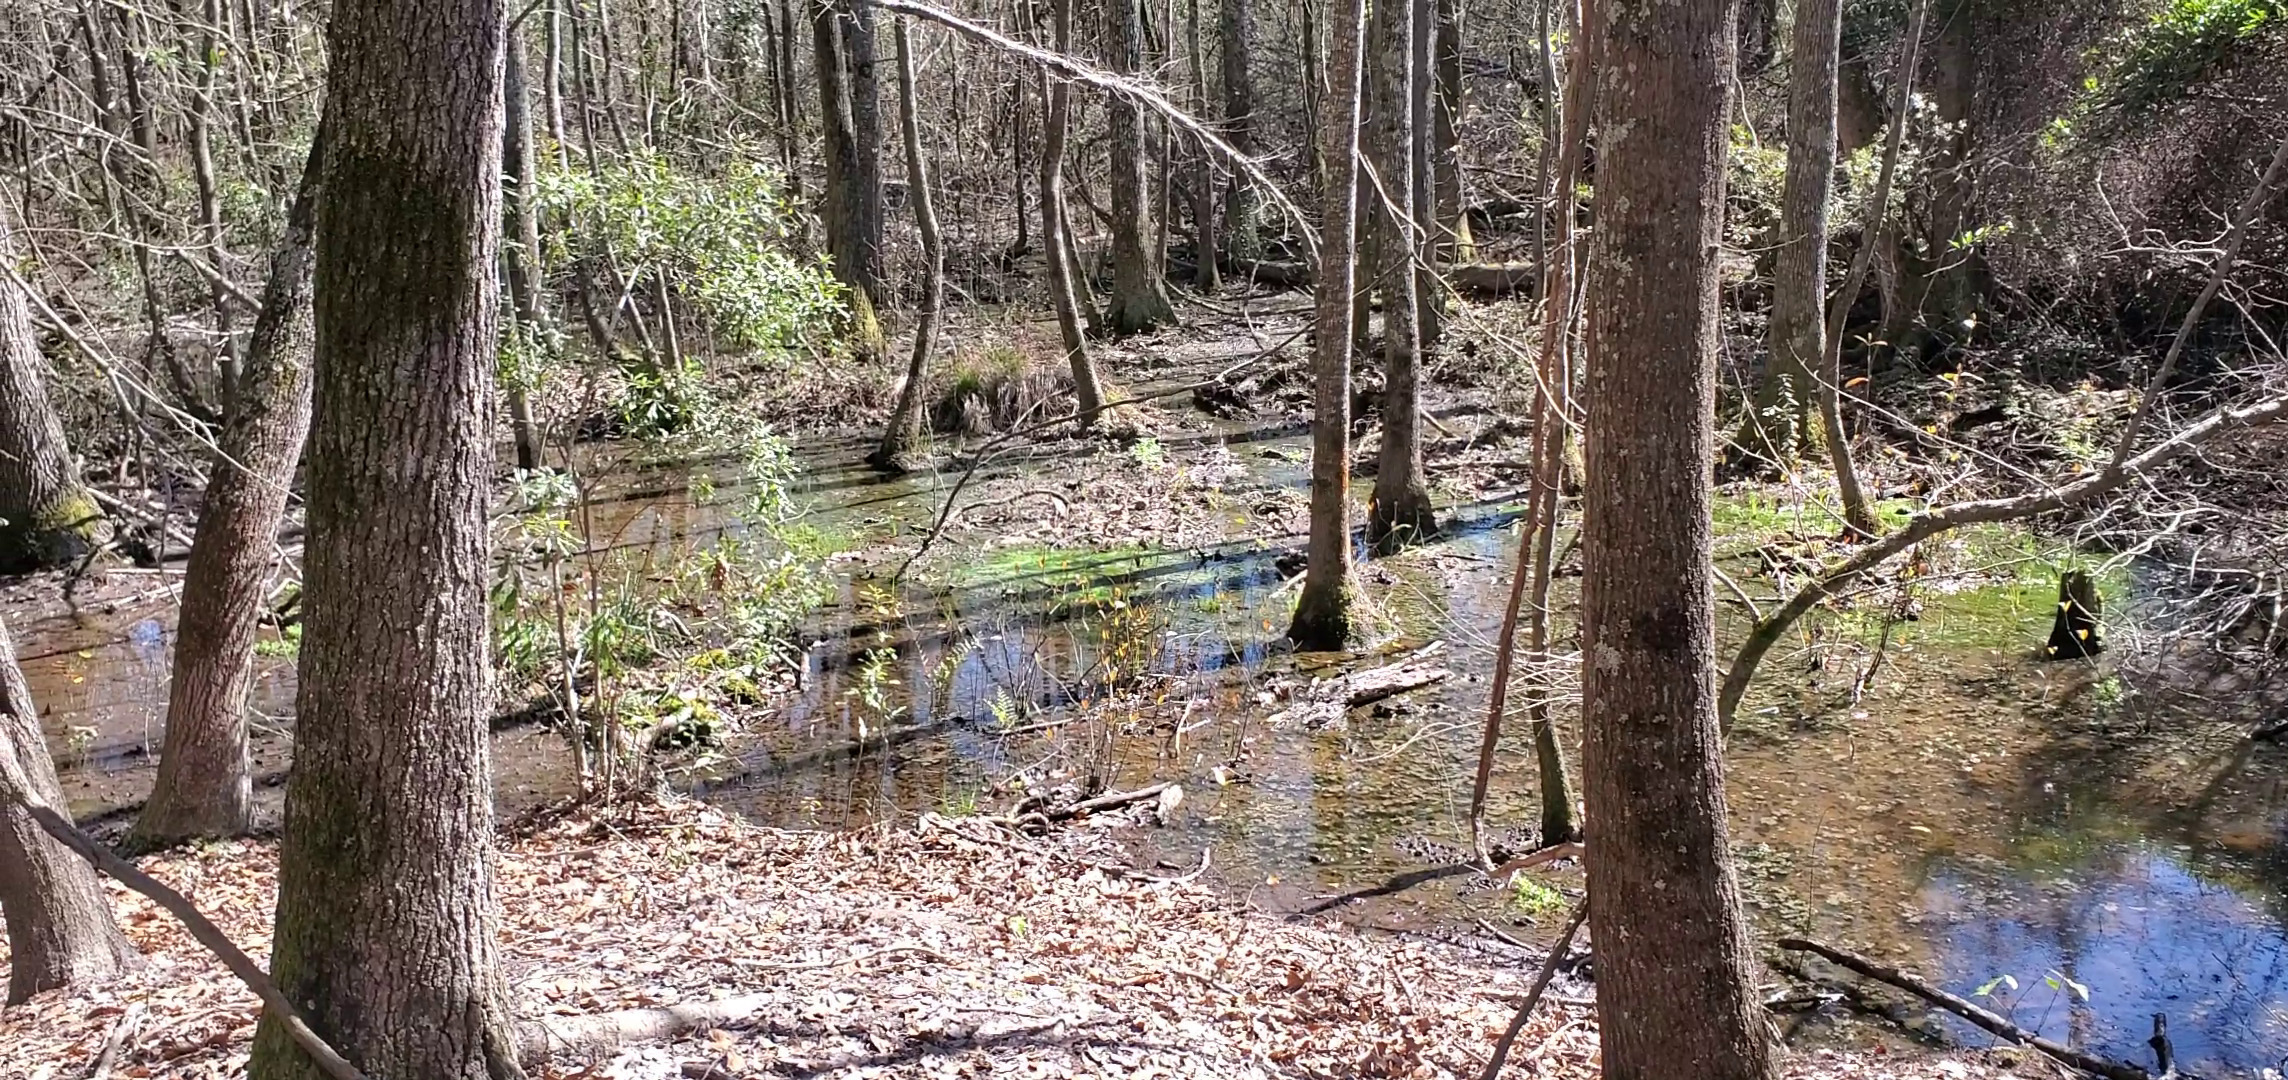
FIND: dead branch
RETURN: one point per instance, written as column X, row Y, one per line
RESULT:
column 1327, row 702
column 1930, row 523
column 1540, row 983
column 206, row 932
column 1968, row 1010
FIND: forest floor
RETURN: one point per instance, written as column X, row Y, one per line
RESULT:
column 945, row 948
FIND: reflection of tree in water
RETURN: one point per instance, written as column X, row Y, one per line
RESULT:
column 2146, row 934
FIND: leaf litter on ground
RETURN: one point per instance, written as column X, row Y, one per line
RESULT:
column 943, row 948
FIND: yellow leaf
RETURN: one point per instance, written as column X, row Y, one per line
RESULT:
column 1855, row 381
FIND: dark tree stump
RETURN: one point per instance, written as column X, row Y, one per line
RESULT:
column 2076, row 633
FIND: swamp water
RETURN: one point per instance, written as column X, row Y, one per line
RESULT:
column 2026, row 828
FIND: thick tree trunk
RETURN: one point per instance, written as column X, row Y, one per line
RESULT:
column 1323, row 613
column 1779, row 427
column 1139, row 299
column 1400, row 511
column 1242, row 211
column 1673, row 963
column 385, row 926
column 60, row 927
column 1056, row 233
column 205, row 785
column 842, row 36
column 905, row 426
column 46, row 517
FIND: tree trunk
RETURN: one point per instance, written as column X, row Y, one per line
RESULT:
column 1452, row 106
column 1857, row 512
column 1242, row 211
column 1400, row 510
column 385, row 928
column 842, row 35
column 205, row 785
column 905, row 427
column 1056, row 231
column 1778, row 429
column 1206, row 263
column 1673, row 962
column 1323, row 613
column 1429, row 298
column 520, row 171
column 60, row 927
column 1139, row 299
column 46, row 517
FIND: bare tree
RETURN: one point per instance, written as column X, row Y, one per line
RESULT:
column 1323, row 613
column 1242, row 213
column 1673, row 963
column 1139, row 299
column 385, row 923
column 60, row 927
column 205, row 785
column 1056, row 231
column 905, row 426
column 1400, row 511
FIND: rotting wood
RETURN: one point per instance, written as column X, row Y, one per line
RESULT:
column 1326, row 702
column 1968, row 1010
column 1166, row 794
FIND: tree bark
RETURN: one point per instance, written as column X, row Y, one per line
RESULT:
column 1242, row 212
column 905, row 426
column 1207, row 263
column 205, row 785
column 842, row 36
column 1400, row 510
column 385, row 929
column 1675, row 998
column 1778, row 428
column 1452, row 106
column 1429, row 298
column 61, row 931
column 46, row 517
column 520, row 171
column 1323, row 613
column 1139, row 299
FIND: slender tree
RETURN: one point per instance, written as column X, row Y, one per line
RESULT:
column 46, row 517
column 842, row 39
column 60, row 927
column 385, row 921
column 1673, row 962
column 1857, row 511
column 520, row 254
column 1206, row 263
column 1056, row 232
column 1400, row 511
column 1779, row 427
column 205, row 785
column 1451, row 107
column 1323, row 613
column 1139, row 294
column 905, row 426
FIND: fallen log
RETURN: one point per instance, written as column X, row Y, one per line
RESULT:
column 1166, row 795
column 1327, row 702
column 1968, row 1010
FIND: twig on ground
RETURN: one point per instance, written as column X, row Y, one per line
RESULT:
column 1540, row 984
column 123, row 1031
